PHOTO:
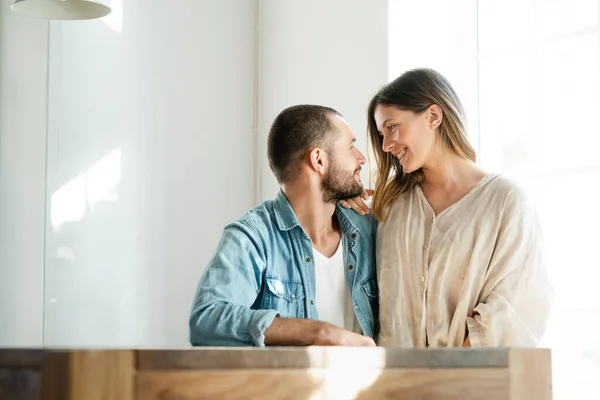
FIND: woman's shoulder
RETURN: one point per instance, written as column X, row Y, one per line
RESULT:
column 507, row 191
column 405, row 198
column 401, row 209
column 503, row 185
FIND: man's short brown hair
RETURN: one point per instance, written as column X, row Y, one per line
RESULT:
column 296, row 131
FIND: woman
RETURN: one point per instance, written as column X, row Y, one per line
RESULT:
column 460, row 257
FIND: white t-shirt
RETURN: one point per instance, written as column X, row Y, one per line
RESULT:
column 333, row 300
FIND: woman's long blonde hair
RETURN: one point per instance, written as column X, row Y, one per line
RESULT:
column 415, row 91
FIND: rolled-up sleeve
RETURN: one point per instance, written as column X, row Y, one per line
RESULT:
column 221, row 313
column 517, row 296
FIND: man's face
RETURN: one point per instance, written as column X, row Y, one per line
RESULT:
column 342, row 180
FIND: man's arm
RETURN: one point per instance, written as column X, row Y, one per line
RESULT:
column 307, row 332
column 221, row 313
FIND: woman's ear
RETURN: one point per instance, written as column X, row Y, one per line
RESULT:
column 435, row 116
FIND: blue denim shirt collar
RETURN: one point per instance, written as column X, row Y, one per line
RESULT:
column 284, row 213
column 287, row 220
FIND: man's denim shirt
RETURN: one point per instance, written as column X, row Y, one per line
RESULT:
column 264, row 267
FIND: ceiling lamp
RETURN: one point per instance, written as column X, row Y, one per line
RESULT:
column 61, row 9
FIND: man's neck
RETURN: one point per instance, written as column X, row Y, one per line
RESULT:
column 315, row 216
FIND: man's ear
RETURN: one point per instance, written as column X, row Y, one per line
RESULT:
column 436, row 115
column 317, row 160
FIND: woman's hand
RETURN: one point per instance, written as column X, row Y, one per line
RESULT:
column 358, row 203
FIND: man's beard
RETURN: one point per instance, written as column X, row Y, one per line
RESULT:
column 340, row 185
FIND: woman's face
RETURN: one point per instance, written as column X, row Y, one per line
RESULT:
column 408, row 136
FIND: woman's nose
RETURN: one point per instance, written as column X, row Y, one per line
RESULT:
column 387, row 145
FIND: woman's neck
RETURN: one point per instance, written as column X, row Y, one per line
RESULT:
column 450, row 171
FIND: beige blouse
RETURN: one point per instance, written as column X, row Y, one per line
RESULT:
column 478, row 268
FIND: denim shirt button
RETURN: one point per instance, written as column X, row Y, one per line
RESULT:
column 312, row 302
column 350, row 267
column 308, row 259
column 353, row 236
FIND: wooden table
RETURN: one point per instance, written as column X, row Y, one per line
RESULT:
column 275, row 373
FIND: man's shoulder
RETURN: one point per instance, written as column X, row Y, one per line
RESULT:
column 364, row 223
column 257, row 218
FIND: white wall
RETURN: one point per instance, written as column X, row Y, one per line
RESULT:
column 150, row 126
column 333, row 53
column 153, row 148
column 23, row 88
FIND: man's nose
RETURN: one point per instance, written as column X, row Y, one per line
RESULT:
column 360, row 158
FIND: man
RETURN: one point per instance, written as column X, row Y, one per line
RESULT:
column 300, row 269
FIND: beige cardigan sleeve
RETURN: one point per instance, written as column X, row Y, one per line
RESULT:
column 514, row 303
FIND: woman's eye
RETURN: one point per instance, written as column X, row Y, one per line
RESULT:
column 390, row 127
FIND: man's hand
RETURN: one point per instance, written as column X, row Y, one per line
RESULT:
column 307, row 332
column 358, row 203
column 331, row 335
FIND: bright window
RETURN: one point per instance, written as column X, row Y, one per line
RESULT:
column 528, row 72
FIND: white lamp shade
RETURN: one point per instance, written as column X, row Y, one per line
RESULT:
column 61, row 9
